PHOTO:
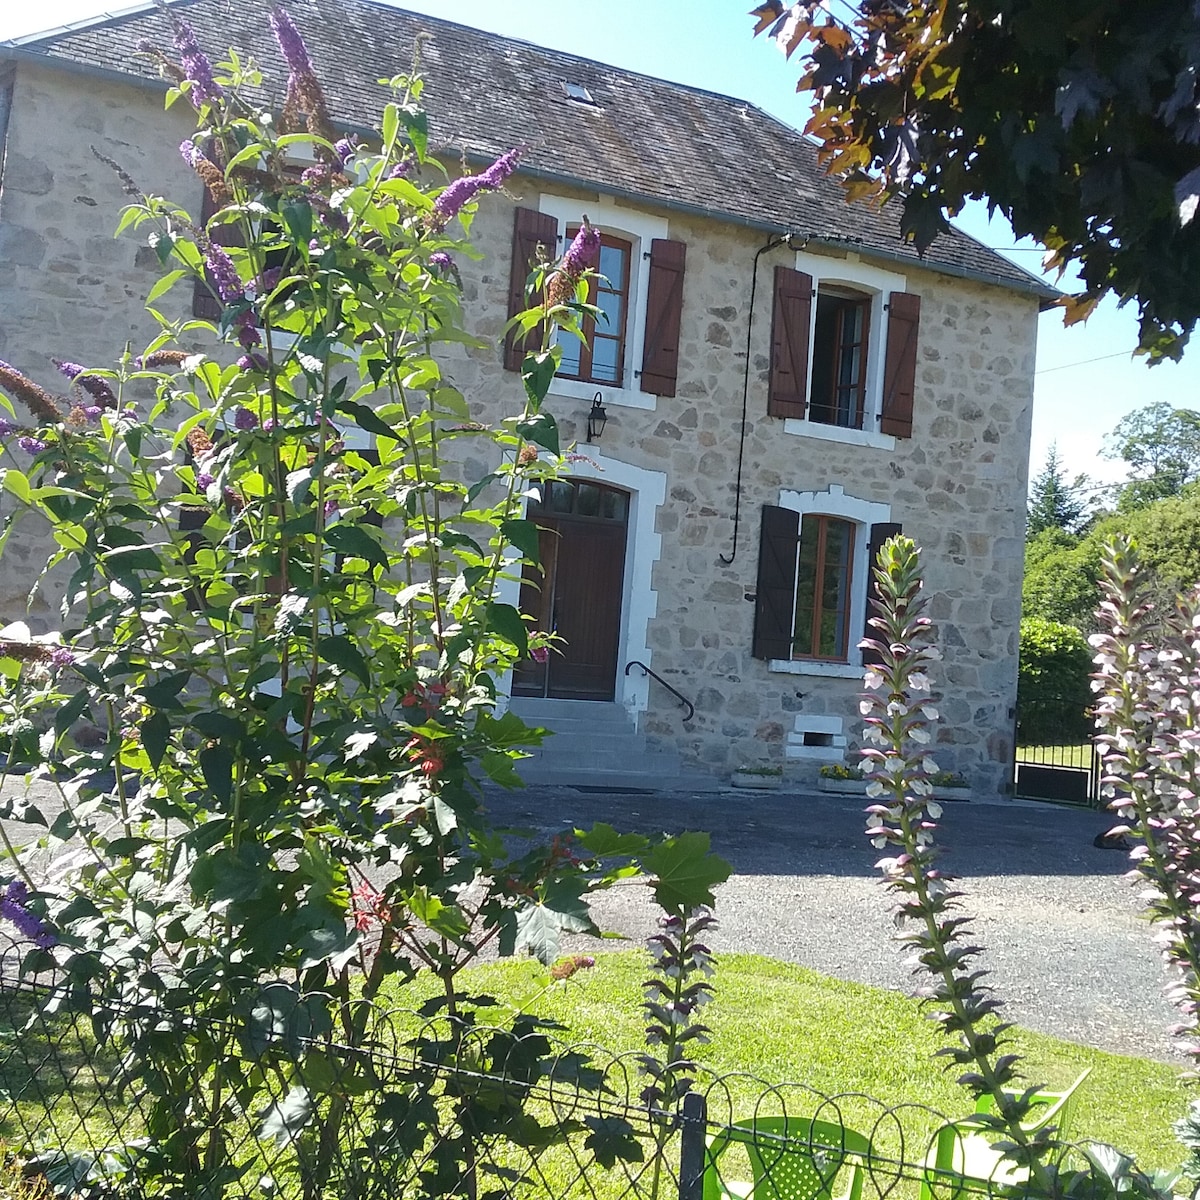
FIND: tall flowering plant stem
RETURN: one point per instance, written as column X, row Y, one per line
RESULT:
column 898, row 716
column 1147, row 713
column 273, row 697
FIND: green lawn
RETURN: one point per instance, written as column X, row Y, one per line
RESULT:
column 781, row 1023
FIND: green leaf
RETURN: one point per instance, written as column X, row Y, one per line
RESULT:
column 603, row 840
column 501, row 768
column 356, row 542
column 298, row 216
column 685, row 872
column 391, row 125
column 334, row 943
column 560, row 909
column 612, row 1140
column 505, row 620
column 542, row 429
column 417, row 124
column 69, row 713
column 537, row 371
column 218, row 725
column 155, row 733
column 343, row 653
column 216, row 764
column 523, row 535
column 16, row 483
column 165, row 693
column 442, row 918
column 367, row 419
column 165, row 284
column 285, row 1119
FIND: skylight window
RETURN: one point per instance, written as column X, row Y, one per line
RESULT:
column 577, row 92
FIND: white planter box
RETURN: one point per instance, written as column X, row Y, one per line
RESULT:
column 949, row 795
column 756, row 783
column 842, row 787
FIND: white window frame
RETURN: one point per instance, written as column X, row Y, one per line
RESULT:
column 851, row 272
column 639, row 229
column 862, row 514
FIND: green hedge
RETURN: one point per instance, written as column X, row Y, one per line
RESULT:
column 1053, row 693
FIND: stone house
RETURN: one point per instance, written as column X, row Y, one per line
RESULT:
column 785, row 381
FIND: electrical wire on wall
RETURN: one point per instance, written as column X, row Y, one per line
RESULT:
column 773, row 244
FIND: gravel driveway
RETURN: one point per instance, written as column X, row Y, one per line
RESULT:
column 1065, row 944
column 1064, row 941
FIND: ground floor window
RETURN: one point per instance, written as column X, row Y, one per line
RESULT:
column 823, row 588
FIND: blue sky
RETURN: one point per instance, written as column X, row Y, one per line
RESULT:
column 1087, row 379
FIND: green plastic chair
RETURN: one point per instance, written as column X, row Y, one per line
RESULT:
column 964, row 1162
column 791, row 1158
column 1050, row 1108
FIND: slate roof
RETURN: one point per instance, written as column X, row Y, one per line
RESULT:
column 679, row 146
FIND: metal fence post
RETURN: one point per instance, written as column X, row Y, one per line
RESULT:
column 694, row 1123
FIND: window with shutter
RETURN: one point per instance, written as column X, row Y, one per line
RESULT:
column 643, row 287
column 843, row 351
column 814, row 580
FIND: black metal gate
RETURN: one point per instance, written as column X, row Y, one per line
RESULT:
column 1068, row 774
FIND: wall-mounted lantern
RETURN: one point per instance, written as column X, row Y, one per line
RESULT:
column 596, row 419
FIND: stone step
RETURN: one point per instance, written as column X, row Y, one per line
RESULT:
column 593, row 744
column 555, row 714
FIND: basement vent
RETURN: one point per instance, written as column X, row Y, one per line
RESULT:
column 577, row 92
column 818, row 739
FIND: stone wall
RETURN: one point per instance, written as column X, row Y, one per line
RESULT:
column 68, row 288
column 957, row 486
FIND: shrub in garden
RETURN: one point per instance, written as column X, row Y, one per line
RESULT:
column 289, row 644
column 1053, row 684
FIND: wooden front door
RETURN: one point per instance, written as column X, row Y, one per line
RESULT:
column 576, row 593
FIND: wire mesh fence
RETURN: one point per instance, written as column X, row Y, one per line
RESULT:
column 297, row 1097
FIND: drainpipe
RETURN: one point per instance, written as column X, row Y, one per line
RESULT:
column 773, row 244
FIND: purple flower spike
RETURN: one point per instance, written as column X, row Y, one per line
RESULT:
column 62, row 656
column 441, row 260
column 344, row 148
column 500, row 170
column 92, row 412
column 31, row 445
column 404, row 168
column 331, row 506
column 196, row 66
column 245, row 420
column 251, row 362
column 291, row 44
column 13, row 901
column 224, row 274
column 95, row 387
column 450, row 202
column 6, row 427
column 268, row 424
column 204, row 481
column 584, row 250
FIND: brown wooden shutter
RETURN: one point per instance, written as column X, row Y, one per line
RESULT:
column 531, row 229
column 900, row 366
column 775, row 610
column 790, row 321
column 664, row 312
column 879, row 534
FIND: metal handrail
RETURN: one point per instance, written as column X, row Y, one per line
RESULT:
column 691, row 708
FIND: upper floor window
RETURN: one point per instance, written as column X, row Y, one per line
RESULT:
column 843, row 351
column 841, row 334
column 600, row 358
column 632, row 349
